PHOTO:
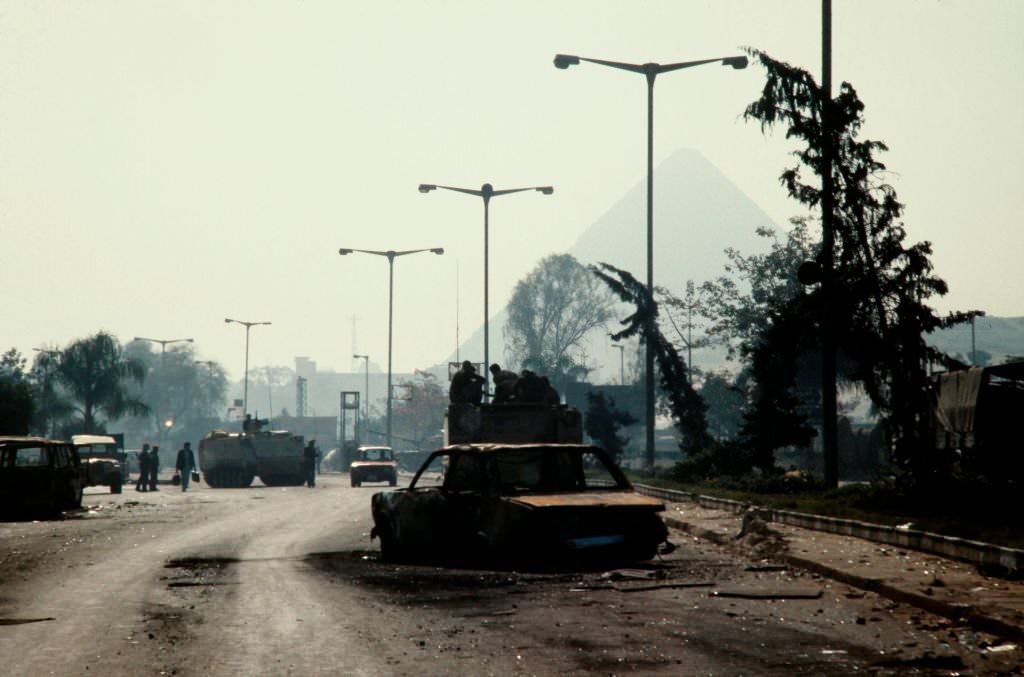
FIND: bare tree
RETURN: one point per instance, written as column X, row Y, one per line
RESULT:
column 551, row 311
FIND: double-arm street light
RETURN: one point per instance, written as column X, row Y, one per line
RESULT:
column 245, row 377
column 163, row 343
column 650, row 71
column 366, row 385
column 486, row 192
column 391, row 255
column 163, row 349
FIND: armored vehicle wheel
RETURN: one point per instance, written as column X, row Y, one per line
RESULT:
column 240, row 479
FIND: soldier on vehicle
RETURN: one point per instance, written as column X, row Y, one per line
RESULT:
column 529, row 388
column 309, row 456
column 143, row 480
column 154, row 467
column 467, row 385
column 504, row 383
column 551, row 396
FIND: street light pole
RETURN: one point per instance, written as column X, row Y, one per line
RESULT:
column 486, row 192
column 245, row 376
column 366, row 386
column 650, row 72
column 163, row 349
column 622, row 363
column 391, row 255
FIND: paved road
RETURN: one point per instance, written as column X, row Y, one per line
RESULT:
column 284, row 581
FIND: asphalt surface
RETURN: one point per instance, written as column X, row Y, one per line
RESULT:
column 284, row 581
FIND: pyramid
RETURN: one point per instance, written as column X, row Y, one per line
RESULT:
column 699, row 213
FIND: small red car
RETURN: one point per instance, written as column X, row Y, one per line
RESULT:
column 374, row 464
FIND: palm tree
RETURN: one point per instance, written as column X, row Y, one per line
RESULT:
column 94, row 371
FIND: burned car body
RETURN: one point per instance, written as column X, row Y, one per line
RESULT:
column 373, row 464
column 38, row 476
column 101, row 461
column 519, row 503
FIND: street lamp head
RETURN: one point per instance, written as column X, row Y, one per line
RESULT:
column 737, row 62
column 344, row 252
column 565, row 60
column 427, row 187
column 438, row 250
column 226, row 319
column 546, row 190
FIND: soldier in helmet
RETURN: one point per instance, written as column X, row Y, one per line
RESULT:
column 467, row 385
column 504, row 383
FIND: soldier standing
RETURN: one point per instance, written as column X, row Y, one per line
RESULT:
column 309, row 463
column 154, row 467
column 140, row 485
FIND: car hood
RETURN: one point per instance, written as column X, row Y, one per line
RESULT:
column 590, row 499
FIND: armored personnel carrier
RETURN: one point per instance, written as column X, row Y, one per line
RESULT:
column 232, row 460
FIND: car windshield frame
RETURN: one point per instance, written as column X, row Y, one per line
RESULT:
column 554, row 475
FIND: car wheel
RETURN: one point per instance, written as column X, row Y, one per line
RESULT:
column 115, row 485
column 390, row 551
column 394, row 480
column 355, row 481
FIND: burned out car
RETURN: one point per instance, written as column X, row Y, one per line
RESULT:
column 38, row 476
column 373, row 464
column 519, row 503
column 103, row 464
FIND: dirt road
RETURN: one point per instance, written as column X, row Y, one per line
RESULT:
column 284, row 581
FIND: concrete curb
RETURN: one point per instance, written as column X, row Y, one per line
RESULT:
column 961, row 613
column 1010, row 560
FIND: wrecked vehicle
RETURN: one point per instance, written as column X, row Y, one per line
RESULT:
column 38, row 476
column 373, row 464
column 233, row 460
column 544, row 503
column 101, row 462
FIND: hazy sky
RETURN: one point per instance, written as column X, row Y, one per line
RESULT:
column 164, row 165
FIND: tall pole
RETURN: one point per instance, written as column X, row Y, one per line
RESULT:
column 622, row 363
column 829, row 403
column 486, row 192
column 648, row 352
column 161, row 427
column 974, row 353
column 391, row 305
column 487, row 277
column 366, row 385
column 650, row 71
column 245, row 375
column 391, row 255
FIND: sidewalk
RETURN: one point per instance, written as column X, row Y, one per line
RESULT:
column 945, row 587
